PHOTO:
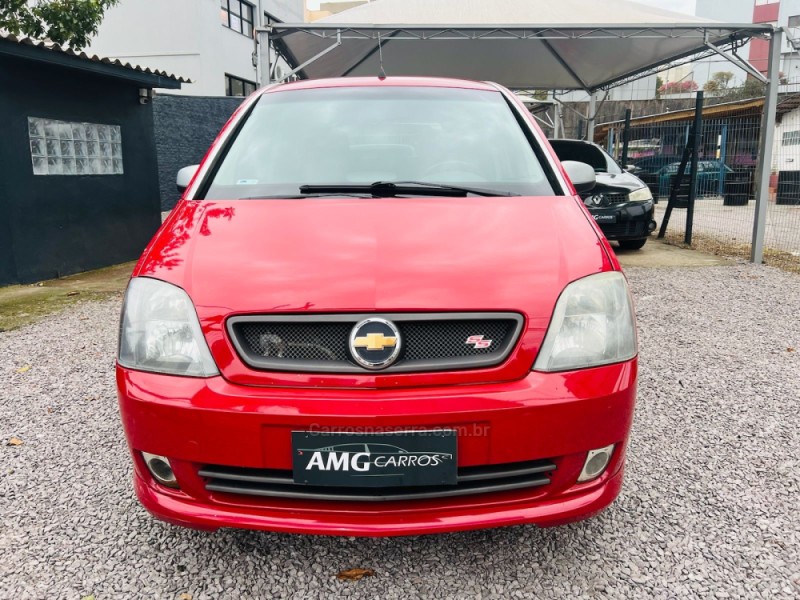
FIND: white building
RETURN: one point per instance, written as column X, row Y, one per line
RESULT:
column 789, row 17
column 209, row 41
column 781, row 13
column 786, row 146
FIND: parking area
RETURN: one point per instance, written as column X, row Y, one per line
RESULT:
column 709, row 506
column 657, row 253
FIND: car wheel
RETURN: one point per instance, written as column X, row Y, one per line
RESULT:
column 632, row 244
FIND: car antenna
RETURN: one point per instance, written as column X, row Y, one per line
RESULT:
column 382, row 74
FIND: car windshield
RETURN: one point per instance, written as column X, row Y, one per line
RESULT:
column 586, row 153
column 356, row 136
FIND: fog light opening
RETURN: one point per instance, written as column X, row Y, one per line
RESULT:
column 160, row 469
column 651, row 226
column 596, row 463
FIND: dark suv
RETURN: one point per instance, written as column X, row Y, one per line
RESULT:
column 621, row 203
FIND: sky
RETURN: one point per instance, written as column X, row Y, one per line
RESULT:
column 685, row 6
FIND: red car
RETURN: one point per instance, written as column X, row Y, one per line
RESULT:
column 380, row 308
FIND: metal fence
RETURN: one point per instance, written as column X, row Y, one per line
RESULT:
column 724, row 211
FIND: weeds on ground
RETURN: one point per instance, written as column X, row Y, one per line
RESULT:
column 706, row 243
column 24, row 304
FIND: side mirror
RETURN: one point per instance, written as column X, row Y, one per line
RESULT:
column 185, row 177
column 630, row 168
column 581, row 175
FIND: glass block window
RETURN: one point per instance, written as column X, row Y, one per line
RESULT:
column 67, row 148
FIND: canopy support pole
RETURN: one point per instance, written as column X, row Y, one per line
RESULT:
column 591, row 116
column 563, row 105
column 738, row 61
column 765, row 146
column 558, row 124
column 316, row 57
column 626, row 137
column 697, row 135
column 546, row 123
column 265, row 71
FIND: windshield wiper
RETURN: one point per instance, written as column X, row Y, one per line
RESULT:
column 388, row 189
column 304, row 196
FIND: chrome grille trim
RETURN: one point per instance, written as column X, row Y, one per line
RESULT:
column 277, row 483
column 339, row 323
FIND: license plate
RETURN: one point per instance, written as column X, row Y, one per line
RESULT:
column 605, row 218
column 407, row 458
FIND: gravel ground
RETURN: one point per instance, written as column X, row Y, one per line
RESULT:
column 709, row 508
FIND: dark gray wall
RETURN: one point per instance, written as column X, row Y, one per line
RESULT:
column 55, row 225
column 185, row 126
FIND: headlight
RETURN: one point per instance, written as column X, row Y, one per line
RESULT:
column 640, row 194
column 160, row 331
column 593, row 324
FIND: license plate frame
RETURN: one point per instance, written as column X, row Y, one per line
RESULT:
column 605, row 219
column 412, row 458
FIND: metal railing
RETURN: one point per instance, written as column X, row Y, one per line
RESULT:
column 727, row 174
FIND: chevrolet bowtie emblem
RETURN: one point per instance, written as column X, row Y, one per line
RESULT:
column 375, row 341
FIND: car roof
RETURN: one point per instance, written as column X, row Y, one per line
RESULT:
column 570, row 141
column 440, row 82
column 573, row 141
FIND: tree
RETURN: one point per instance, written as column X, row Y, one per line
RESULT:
column 65, row 22
column 752, row 88
column 718, row 82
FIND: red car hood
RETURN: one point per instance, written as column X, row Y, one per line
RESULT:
column 344, row 255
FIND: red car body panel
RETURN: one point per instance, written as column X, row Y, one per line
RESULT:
column 376, row 255
column 439, row 255
column 559, row 415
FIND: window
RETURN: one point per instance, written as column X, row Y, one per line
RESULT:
column 236, row 86
column 238, row 15
column 62, row 148
column 360, row 135
column 794, row 21
column 791, row 138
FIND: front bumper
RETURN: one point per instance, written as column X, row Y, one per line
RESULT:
column 559, row 416
column 625, row 221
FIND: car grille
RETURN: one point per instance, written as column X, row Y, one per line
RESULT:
column 321, row 343
column 610, row 197
column 627, row 229
column 617, row 198
column 296, row 341
column 471, row 480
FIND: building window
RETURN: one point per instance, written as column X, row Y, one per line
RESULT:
column 791, row 138
column 794, row 21
column 65, row 148
column 238, row 15
column 236, row 86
